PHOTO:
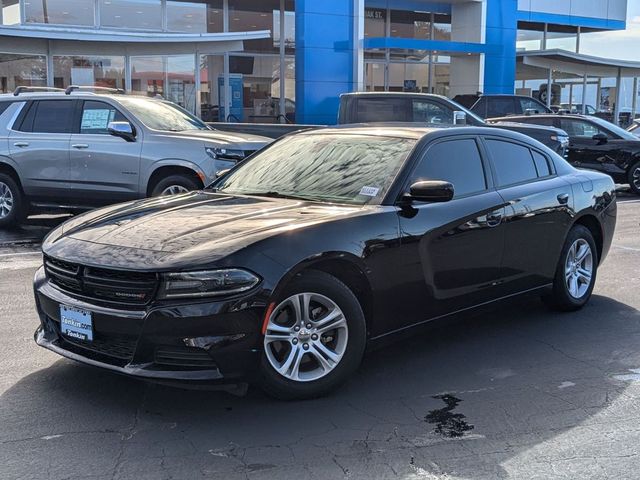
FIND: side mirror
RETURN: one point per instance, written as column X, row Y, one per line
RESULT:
column 600, row 137
column 459, row 117
column 123, row 130
column 431, row 191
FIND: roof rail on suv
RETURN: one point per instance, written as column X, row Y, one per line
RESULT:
column 26, row 89
column 73, row 88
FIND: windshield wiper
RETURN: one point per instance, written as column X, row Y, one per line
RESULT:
column 274, row 194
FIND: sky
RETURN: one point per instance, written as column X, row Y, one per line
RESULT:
column 621, row 45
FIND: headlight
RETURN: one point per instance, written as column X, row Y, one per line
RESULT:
column 209, row 283
column 224, row 153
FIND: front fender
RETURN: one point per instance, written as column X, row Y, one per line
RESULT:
column 174, row 162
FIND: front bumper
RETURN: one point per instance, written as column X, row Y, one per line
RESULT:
column 217, row 342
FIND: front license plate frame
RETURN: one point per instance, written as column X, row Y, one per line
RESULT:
column 76, row 323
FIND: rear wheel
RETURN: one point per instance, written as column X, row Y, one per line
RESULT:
column 576, row 271
column 314, row 340
column 174, row 184
column 634, row 178
column 12, row 207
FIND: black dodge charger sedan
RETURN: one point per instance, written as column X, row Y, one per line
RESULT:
column 596, row 144
column 284, row 270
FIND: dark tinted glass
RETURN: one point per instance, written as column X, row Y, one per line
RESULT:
column 383, row 110
column 542, row 164
column 531, row 104
column 4, row 106
column 430, row 112
column 455, row 161
column 580, row 128
column 500, row 106
column 27, row 115
column 53, row 116
column 480, row 107
column 513, row 163
column 97, row 115
column 547, row 121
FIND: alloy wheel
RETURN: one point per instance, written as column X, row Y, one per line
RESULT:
column 174, row 190
column 579, row 268
column 306, row 337
column 635, row 177
column 6, row 200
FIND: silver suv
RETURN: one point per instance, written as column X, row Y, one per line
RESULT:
column 78, row 149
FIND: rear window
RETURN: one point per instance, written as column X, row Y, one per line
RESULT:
column 383, row 110
column 49, row 116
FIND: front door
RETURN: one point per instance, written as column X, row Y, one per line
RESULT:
column 452, row 251
column 103, row 168
column 584, row 151
column 39, row 144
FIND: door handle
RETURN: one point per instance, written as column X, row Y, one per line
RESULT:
column 494, row 218
column 80, row 145
column 563, row 198
column 21, row 144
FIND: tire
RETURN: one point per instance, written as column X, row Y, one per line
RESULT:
column 566, row 298
column 633, row 178
column 180, row 183
column 12, row 202
column 344, row 338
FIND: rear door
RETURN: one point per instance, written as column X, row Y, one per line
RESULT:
column 452, row 251
column 39, row 144
column 538, row 214
column 500, row 106
column 584, row 151
column 103, row 168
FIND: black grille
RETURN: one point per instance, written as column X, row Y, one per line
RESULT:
column 118, row 347
column 183, row 357
column 107, row 285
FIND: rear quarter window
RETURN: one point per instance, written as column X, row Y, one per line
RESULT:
column 513, row 163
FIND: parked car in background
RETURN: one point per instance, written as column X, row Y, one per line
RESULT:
column 575, row 109
column 634, row 128
column 79, row 149
column 423, row 108
column 596, row 144
column 322, row 243
column 487, row 106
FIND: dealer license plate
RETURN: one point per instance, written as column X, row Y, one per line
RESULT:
column 76, row 323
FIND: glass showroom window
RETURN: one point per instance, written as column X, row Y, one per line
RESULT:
column 169, row 77
column 203, row 16
column 60, row 12
column 408, row 77
column 442, row 27
column 211, row 91
column 18, row 70
column 9, row 12
column 251, row 15
column 565, row 40
column 409, row 24
column 374, row 22
column 255, row 85
column 529, row 40
column 98, row 71
column 131, row 14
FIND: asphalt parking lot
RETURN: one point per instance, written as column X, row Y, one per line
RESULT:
column 519, row 392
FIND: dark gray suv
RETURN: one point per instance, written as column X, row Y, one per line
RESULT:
column 79, row 149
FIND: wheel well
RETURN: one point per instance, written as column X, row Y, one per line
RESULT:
column 9, row 170
column 167, row 171
column 354, row 278
column 590, row 222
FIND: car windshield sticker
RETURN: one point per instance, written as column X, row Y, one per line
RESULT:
column 369, row 191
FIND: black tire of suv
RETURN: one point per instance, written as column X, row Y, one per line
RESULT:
column 18, row 212
column 634, row 174
column 277, row 386
column 560, row 298
column 182, row 180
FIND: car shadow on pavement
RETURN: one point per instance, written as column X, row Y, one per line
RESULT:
column 516, row 386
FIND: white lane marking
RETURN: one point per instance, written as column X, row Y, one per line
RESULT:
column 629, row 377
column 627, row 248
column 50, row 437
column 566, row 385
column 19, row 254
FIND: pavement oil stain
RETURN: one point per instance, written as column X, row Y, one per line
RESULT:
column 448, row 424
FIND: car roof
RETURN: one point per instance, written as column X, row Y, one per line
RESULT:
column 393, row 94
column 75, row 94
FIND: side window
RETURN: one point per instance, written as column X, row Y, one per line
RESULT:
column 429, row 112
column 547, row 121
column 513, row 163
column 579, row 128
column 455, row 161
column 96, row 117
column 501, row 107
column 480, row 107
column 531, row 104
column 52, row 116
column 542, row 164
column 382, row 110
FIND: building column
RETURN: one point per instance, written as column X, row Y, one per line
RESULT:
column 584, row 94
column 634, row 99
column 616, row 110
column 501, row 35
column 327, row 65
column 468, row 25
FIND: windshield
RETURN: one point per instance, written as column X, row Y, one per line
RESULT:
column 616, row 130
column 340, row 168
column 161, row 115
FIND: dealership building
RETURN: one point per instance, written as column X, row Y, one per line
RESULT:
column 285, row 60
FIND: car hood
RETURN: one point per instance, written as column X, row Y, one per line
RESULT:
column 220, row 137
column 194, row 228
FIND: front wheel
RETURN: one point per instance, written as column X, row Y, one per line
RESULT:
column 314, row 338
column 12, row 208
column 174, row 185
column 576, row 271
column 634, row 178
